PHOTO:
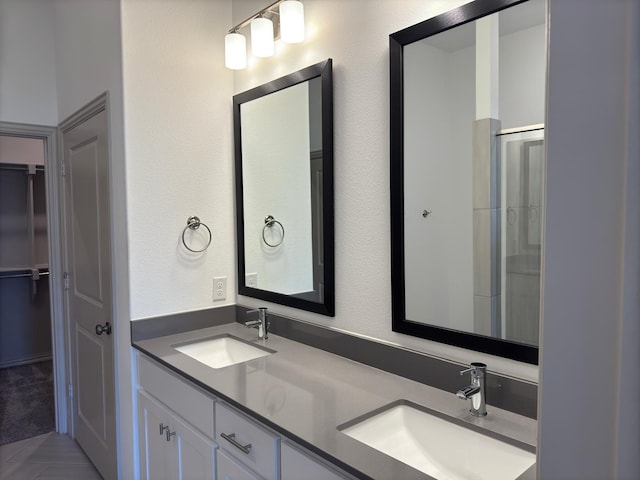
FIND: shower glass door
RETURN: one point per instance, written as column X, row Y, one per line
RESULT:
column 522, row 167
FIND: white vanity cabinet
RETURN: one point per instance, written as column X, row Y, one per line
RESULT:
column 177, row 439
column 170, row 445
column 249, row 451
column 170, row 448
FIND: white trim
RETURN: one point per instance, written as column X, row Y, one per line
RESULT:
column 26, row 361
column 49, row 135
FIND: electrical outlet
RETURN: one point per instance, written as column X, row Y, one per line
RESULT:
column 219, row 288
column 251, row 280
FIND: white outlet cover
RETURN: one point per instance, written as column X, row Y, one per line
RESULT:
column 219, row 288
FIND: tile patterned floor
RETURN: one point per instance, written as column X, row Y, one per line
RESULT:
column 46, row 457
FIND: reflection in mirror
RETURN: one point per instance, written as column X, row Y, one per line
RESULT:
column 467, row 156
column 522, row 163
column 284, row 190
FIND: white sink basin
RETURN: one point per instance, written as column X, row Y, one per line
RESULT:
column 222, row 351
column 436, row 446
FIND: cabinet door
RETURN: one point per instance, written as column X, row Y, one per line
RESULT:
column 296, row 465
column 158, row 457
column 196, row 453
column 230, row 469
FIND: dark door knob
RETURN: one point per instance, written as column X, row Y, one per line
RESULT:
column 106, row 328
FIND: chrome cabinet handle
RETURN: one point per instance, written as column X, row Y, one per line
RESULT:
column 106, row 328
column 169, row 434
column 231, row 438
column 163, row 427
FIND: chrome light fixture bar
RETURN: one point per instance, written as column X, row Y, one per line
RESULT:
column 286, row 17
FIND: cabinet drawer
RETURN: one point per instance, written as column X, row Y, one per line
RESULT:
column 195, row 406
column 252, row 444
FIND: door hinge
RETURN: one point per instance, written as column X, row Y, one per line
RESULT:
column 70, row 391
column 66, row 280
column 63, row 171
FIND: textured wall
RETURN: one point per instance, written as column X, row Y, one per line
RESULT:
column 27, row 63
column 178, row 141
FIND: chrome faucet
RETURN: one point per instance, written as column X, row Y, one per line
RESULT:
column 262, row 324
column 476, row 392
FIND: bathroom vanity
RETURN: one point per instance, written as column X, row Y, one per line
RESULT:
column 178, row 437
column 281, row 415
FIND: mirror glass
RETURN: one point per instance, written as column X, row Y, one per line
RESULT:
column 467, row 167
column 284, row 190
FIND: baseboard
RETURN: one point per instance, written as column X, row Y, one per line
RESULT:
column 26, row 361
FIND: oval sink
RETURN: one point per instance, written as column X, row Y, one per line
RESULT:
column 222, row 350
column 442, row 447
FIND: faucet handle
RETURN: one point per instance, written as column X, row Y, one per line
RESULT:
column 475, row 368
column 259, row 309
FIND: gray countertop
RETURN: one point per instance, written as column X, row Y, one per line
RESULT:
column 305, row 393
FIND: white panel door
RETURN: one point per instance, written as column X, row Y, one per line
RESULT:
column 89, row 299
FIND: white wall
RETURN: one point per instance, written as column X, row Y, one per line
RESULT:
column 589, row 379
column 27, row 63
column 21, row 151
column 355, row 35
column 88, row 63
column 523, row 66
column 178, row 143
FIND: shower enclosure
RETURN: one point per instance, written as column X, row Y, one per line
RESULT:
column 522, row 173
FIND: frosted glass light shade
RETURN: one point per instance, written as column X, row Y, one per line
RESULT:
column 292, row 21
column 235, row 51
column 262, row 37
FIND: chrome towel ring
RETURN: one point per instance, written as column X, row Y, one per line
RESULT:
column 194, row 223
column 269, row 222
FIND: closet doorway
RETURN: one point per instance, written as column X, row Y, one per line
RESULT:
column 30, row 353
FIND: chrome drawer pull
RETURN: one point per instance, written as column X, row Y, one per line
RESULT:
column 231, row 438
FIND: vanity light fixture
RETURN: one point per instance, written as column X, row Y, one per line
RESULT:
column 282, row 19
column 235, row 51
column 262, row 37
column 292, row 21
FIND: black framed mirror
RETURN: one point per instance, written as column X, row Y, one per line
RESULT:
column 467, row 101
column 283, row 138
